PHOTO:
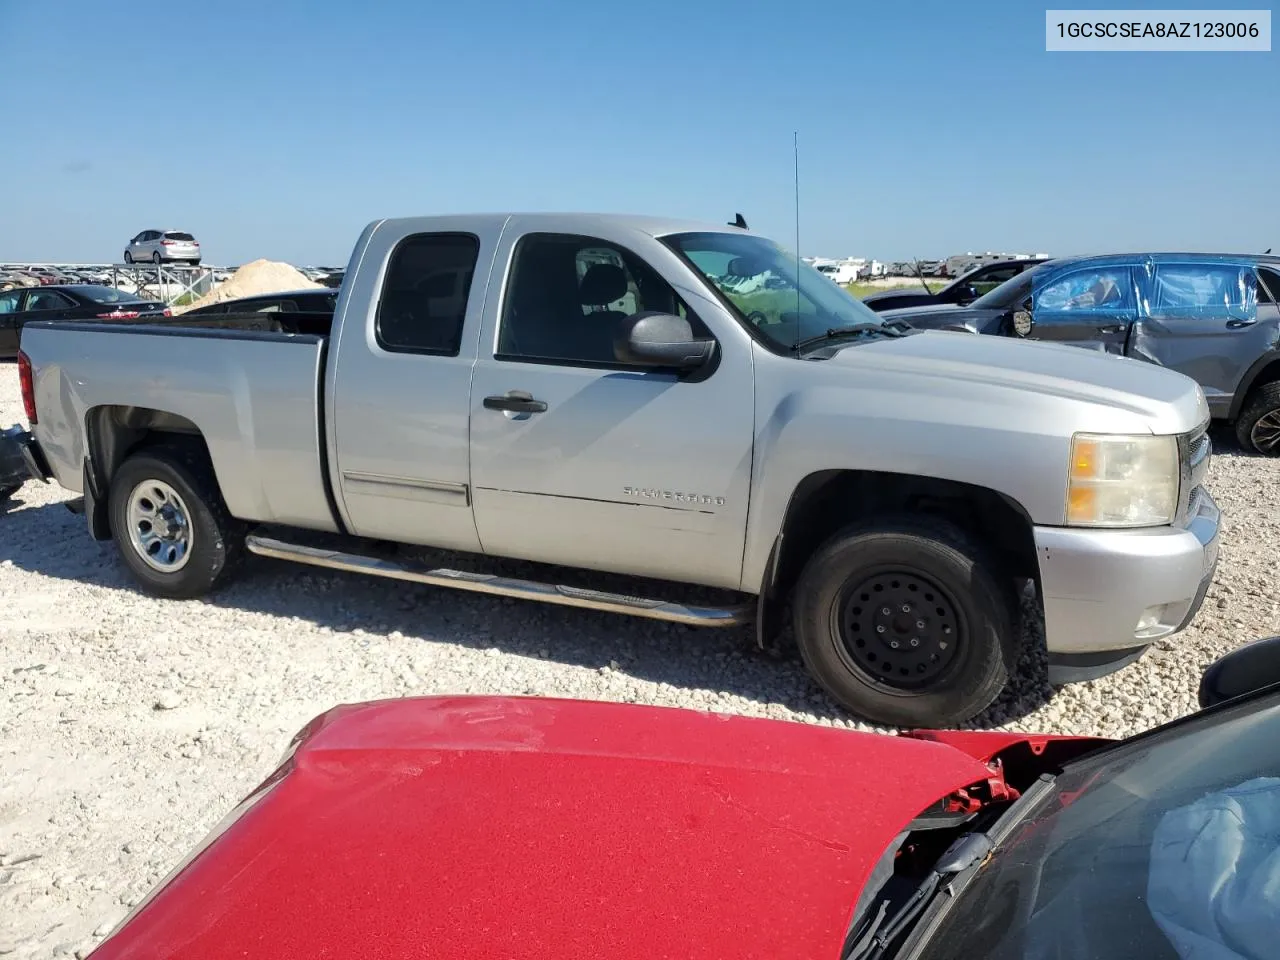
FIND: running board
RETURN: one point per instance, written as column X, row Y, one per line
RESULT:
column 502, row 586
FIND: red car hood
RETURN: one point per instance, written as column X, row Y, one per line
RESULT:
column 519, row 827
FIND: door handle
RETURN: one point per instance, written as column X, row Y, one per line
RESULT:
column 1237, row 324
column 515, row 401
column 1114, row 328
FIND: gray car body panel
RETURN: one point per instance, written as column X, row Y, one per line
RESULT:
column 633, row 472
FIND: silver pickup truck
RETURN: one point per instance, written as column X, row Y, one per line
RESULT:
column 602, row 398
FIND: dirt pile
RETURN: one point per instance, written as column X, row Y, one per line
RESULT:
column 257, row 277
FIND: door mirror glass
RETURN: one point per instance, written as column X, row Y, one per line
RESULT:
column 660, row 339
column 1248, row 669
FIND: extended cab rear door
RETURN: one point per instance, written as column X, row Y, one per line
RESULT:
column 397, row 392
column 626, row 469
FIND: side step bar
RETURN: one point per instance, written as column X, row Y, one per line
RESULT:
column 502, row 586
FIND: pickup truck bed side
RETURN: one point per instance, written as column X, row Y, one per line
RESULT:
column 252, row 396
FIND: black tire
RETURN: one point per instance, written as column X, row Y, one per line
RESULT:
column 155, row 258
column 216, row 546
column 128, row 257
column 961, row 615
column 1258, row 426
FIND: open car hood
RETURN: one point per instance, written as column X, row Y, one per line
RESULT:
column 500, row 827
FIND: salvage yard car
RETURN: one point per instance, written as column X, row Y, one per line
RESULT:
column 608, row 398
column 498, row 827
column 71, row 301
column 1214, row 317
column 962, row 291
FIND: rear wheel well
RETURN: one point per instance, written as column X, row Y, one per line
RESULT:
column 826, row 501
column 1268, row 374
column 114, row 432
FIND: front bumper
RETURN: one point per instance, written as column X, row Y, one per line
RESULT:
column 21, row 459
column 1098, row 584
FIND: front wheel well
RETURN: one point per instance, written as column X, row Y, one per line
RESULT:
column 1268, row 374
column 830, row 499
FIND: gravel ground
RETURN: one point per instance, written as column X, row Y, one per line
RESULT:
column 130, row 725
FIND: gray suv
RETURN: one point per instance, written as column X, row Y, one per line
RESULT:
column 163, row 246
column 1213, row 317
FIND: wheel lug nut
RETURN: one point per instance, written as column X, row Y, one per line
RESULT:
column 886, row 611
column 915, row 641
column 894, row 644
column 919, row 624
column 880, row 629
column 906, row 608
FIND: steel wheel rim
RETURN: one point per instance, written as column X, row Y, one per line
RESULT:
column 1265, row 434
column 160, row 526
column 878, row 645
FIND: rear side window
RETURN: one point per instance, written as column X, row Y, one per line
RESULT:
column 9, row 300
column 1209, row 290
column 424, row 297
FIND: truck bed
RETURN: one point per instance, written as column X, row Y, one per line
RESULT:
column 253, row 393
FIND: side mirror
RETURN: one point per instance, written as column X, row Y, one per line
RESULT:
column 968, row 295
column 1250, row 668
column 658, row 339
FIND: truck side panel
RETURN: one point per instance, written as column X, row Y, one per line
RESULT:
column 253, row 396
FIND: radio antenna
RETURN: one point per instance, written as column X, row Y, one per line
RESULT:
column 795, row 139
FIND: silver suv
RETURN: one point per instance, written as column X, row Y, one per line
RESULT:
column 163, row 246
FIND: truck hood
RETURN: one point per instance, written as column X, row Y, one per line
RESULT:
column 500, row 827
column 1170, row 402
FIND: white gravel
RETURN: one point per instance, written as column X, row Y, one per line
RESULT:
column 130, row 725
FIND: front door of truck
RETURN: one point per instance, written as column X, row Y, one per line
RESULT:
column 577, row 459
column 1092, row 307
column 1210, row 320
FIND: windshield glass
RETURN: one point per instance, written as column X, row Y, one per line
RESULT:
column 1165, row 849
column 1010, row 293
column 783, row 299
column 107, row 294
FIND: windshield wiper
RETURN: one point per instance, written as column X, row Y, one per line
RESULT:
column 856, row 330
column 885, row 928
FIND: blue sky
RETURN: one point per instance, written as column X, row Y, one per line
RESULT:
column 280, row 128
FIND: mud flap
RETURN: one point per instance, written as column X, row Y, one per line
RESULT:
column 95, row 504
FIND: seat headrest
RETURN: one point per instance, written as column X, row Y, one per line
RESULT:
column 602, row 284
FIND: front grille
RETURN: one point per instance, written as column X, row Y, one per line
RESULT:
column 1195, row 450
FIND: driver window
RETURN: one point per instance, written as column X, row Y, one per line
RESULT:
column 568, row 295
column 1106, row 289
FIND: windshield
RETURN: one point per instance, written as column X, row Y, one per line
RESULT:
column 107, row 294
column 1010, row 293
column 781, row 298
column 1167, row 848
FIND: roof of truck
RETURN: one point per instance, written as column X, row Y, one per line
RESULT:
column 654, row 226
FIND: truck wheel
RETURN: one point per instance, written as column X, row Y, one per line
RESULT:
column 905, row 623
column 170, row 524
column 1258, row 426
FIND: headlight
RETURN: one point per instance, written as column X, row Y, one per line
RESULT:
column 1122, row 481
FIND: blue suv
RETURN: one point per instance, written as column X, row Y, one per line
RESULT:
column 1213, row 317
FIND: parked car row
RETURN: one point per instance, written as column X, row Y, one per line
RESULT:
column 1213, row 317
